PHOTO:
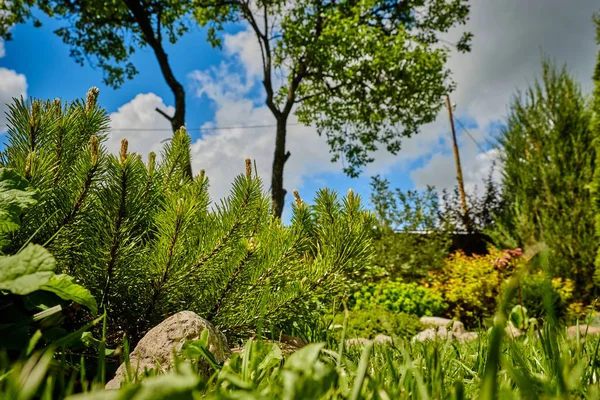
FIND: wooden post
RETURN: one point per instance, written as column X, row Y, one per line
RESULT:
column 459, row 176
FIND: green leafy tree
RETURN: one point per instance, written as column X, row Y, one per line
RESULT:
column 146, row 240
column 364, row 73
column 545, row 150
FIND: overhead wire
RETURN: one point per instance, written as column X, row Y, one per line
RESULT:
column 217, row 128
column 470, row 136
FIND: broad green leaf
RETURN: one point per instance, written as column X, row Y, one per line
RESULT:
column 26, row 271
column 64, row 287
column 15, row 195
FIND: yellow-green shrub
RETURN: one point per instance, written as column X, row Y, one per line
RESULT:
column 470, row 284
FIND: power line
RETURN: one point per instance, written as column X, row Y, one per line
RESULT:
column 207, row 129
column 471, row 136
column 193, row 129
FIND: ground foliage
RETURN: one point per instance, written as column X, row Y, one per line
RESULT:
column 147, row 241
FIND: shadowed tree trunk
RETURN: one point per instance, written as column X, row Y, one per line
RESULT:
column 280, row 157
column 154, row 39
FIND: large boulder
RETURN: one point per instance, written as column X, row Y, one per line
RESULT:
column 155, row 350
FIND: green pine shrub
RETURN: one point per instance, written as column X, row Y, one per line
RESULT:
column 399, row 296
column 368, row 323
column 147, row 241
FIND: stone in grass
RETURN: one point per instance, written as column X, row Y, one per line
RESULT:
column 379, row 339
column 287, row 344
column 591, row 330
column 155, row 350
column 443, row 328
column 512, row 331
column 441, row 324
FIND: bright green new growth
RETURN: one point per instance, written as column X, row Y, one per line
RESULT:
column 146, row 241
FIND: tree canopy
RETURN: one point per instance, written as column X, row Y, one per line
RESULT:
column 364, row 73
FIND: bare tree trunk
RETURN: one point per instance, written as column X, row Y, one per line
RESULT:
column 279, row 159
column 154, row 39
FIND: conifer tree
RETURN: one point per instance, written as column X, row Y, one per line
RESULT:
column 545, row 149
column 595, row 186
column 146, row 240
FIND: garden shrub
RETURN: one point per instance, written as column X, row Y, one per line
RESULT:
column 399, row 296
column 146, row 241
column 534, row 287
column 470, row 284
column 368, row 323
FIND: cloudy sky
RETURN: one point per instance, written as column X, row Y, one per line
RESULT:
column 223, row 91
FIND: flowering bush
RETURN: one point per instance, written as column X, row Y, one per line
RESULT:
column 399, row 296
column 472, row 284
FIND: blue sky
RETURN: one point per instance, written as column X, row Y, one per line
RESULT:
column 223, row 90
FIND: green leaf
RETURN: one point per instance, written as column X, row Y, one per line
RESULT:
column 26, row 271
column 64, row 287
column 15, row 195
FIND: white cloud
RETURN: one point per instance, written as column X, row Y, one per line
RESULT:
column 221, row 152
column 509, row 40
column 12, row 85
column 149, row 127
column 244, row 46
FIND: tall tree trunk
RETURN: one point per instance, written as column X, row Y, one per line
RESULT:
column 154, row 39
column 279, row 159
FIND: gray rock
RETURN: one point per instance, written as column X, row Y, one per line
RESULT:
column 443, row 328
column 382, row 339
column 442, row 325
column 379, row 340
column 427, row 334
column 155, row 350
column 356, row 342
column 591, row 330
column 512, row 332
column 467, row 336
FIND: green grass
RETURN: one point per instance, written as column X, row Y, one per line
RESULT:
column 494, row 366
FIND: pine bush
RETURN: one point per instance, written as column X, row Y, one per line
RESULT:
column 147, row 241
